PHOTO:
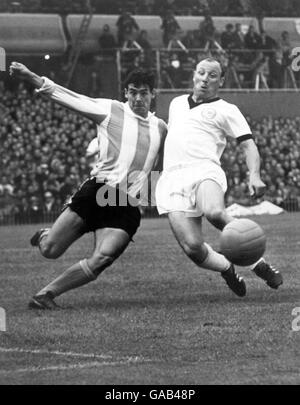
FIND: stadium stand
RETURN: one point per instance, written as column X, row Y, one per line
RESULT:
column 43, row 158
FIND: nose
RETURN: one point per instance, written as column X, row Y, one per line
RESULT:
column 205, row 77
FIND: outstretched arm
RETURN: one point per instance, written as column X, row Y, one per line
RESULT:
column 84, row 105
column 256, row 186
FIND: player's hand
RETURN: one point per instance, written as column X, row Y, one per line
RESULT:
column 19, row 70
column 257, row 187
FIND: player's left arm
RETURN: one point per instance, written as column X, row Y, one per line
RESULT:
column 237, row 127
column 257, row 187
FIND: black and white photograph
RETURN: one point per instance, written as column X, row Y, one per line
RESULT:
column 150, row 195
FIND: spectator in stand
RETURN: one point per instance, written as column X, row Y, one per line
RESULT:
column 127, row 29
column 268, row 43
column 35, row 212
column 171, row 29
column 207, row 33
column 276, row 69
column 238, row 37
column 286, row 47
column 227, row 37
column 190, row 40
column 144, row 43
column 252, row 39
column 107, row 41
column 175, row 72
column 49, row 205
column 253, row 43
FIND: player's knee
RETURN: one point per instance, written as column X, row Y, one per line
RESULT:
column 100, row 261
column 215, row 216
column 50, row 250
column 194, row 249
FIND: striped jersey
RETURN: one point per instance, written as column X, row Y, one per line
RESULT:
column 128, row 144
column 199, row 130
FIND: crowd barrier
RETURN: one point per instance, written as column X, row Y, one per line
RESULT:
column 290, row 205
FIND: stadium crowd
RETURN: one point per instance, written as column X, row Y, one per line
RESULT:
column 276, row 8
column 43, row 157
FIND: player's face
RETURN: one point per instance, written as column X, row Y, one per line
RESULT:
column 207, row 79
column 139, row 99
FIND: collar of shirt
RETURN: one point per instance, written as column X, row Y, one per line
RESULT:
column 193, row 104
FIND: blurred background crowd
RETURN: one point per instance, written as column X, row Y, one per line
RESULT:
column 276, row 8
column 43, row 157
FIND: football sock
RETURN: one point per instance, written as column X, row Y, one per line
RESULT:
column 256, row 263
column 77, row 275
column 215, row 261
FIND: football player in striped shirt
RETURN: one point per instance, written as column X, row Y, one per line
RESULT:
column 130, row 140
column 193, row 183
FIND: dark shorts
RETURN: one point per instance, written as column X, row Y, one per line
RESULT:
column 84, row 203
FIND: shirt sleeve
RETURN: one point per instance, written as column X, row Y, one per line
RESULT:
column 96, row 109
column 236, row 125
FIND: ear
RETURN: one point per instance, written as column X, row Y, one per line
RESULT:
column 126, row 93
column 153, row 94
column 222, row 81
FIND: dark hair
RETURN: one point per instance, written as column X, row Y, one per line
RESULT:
column 215, row 59
column 139, row 77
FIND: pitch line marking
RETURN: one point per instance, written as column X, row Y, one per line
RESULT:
column 75, row 366
column 128, row 359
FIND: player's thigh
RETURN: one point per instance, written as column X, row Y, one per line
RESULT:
column 210, row 196
column 68, row 227
column 111, row 242
column 187, row 229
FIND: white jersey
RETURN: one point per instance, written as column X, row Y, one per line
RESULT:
column 198, row 131
column 128, row 143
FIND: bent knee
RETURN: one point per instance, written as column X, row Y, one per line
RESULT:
column 215, row 215
column 194, row 249
column 100, row 261
column 50, row 250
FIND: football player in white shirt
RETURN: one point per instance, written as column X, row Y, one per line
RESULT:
column 130, row 140
column 193, row 183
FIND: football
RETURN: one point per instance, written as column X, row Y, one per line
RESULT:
column 243, row 242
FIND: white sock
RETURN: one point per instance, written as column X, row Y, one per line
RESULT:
column 256, row 263
column 215, row 261
column 76, row 276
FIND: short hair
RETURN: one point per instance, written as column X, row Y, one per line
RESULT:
column 139, row 77
column 215, row 59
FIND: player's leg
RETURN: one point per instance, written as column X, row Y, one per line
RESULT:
column 210, row 199
column 68, row 227
column 188, row 232
column 109, row 244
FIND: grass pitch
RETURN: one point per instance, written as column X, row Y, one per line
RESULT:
column 153, row 317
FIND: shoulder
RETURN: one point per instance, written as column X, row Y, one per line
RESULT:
column 179, row 100
column 162, row 125
column 228, row 108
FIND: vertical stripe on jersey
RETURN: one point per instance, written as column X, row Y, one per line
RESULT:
column 142, row 146
column 115, row 131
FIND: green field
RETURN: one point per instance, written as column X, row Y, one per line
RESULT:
column 153, row 317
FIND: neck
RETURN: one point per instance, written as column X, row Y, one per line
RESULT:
column 197, row 98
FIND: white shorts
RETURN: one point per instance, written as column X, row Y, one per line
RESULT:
column 176, row 188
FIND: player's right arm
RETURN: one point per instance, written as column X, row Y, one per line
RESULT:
column 86, row 106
